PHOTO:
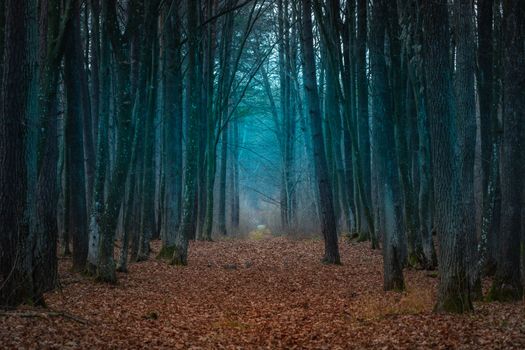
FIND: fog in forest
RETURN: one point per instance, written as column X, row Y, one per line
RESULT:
column 262, row 174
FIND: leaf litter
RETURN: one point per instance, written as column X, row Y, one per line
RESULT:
column 251, row 294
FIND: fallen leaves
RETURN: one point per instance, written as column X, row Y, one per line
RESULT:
column 262, row 293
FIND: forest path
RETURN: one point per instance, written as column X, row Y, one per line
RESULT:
column 267, row 293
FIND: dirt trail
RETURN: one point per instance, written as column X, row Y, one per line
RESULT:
column 267, row 293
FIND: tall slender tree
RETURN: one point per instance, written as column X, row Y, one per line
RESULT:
column 328, row 224
column 187, row 228
column 384, row 142
column 172, row 90
column 109, row 215
column 507, row 284
column 74, row 141
column 466, row 119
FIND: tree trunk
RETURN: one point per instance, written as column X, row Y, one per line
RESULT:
column 411, row 250
column 15, row 272
column 209, row 62
column 391, row 209
column 150, row 58
column 222, row 182
column 466, row 119
column 74, row 141
column 2, row 42
column 490, row 135
column 362, row 107
column 45, row 272
column 173, row 131
column 102, row 158
column 410, row 21
column 453, row 291
column 235, row 178
column 109, row 218
column 328, row 224
column 507, row 284
column 187, row 228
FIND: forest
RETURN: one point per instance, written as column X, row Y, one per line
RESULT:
column 328, row 174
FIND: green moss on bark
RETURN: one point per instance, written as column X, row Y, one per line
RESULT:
column 166, row 252
column 505, row 292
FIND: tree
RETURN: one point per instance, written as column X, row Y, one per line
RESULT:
column 102, row 152
column 507, row 284
column 466, row 119
column 74, row 141
column 147, row 97
column 187, row 228
column 328, row 224
column 108, row 217
column 453, row 290
column 15, row 256
column 489, row 135
column 421, row 242
column 362, row 111
column 172, row 90
column 384, row 141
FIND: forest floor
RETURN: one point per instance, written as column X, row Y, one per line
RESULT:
column 257, row 293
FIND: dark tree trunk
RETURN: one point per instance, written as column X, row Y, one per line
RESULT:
column 466, row 120
column 173, row 130
column 149, row 58
column 410, row 20
column 222, row 182
column 453, row 291
column 2, row 43
column 45, row 263
column 74, row 144
column 95, row 74
column 187, row 228
column 384, row 142
column 15, row 272
column 109, row 218
column 235, row 178
column 362, row 108
column 411, row 250
column 102, row 160
column 507, row 284
column 490, row 136
column 328, row 224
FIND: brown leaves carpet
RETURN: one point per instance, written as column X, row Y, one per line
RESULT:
column 250, row 294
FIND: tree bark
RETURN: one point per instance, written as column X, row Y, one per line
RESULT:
column 74, row 141
column 187, row 228
column 453, row 291
column 15, row 272
column 466, row 119
column 149, row 58
column 507, row 284
column 328, row 224
column 391, row 206
column 109, row 218
column 173, row 130
column 489, row 132
column 362, row 108
column 222, row 182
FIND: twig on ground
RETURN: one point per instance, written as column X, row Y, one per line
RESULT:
column 45, row 314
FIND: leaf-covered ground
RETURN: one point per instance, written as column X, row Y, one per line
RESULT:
column 265, row 293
